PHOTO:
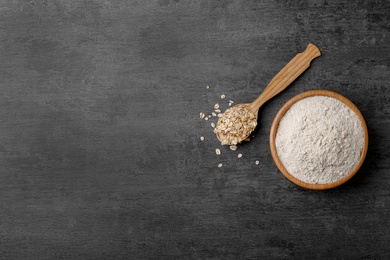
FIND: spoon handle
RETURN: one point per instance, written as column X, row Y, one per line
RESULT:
column 287, row 75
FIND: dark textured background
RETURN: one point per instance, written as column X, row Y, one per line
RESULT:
column 100, row 155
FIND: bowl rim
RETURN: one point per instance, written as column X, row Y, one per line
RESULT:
column 275, row 125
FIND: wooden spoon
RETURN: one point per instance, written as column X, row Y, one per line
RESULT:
column 284, row 78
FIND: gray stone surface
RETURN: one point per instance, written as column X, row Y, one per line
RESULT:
column 100, row 155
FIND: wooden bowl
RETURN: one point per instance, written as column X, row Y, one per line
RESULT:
column 275, row 126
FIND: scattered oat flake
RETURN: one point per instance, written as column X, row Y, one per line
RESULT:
column 201, row 115
column 207, row 87
column 230, row 104
column 202, row 138
column 206, row 118
column 239, row 155
column 223, row 96
column 257, row 162
column 233, row 147
column 218, row 110
column 216, row 106
column 209, row 116
column 220, row 165
column 231, row 101
column 212, row 125
column 217, row 151
column 213, row 114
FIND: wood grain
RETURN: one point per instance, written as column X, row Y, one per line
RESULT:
column 286, row 76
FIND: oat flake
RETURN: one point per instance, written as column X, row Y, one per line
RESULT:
column 235, row 125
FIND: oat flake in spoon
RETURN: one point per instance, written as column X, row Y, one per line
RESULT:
column 235, row 125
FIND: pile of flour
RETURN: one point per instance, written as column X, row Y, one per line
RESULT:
column 319, row 140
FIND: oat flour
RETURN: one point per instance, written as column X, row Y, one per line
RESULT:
column 319, row 140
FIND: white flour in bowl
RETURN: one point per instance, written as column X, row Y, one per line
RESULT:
column 319, row 140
